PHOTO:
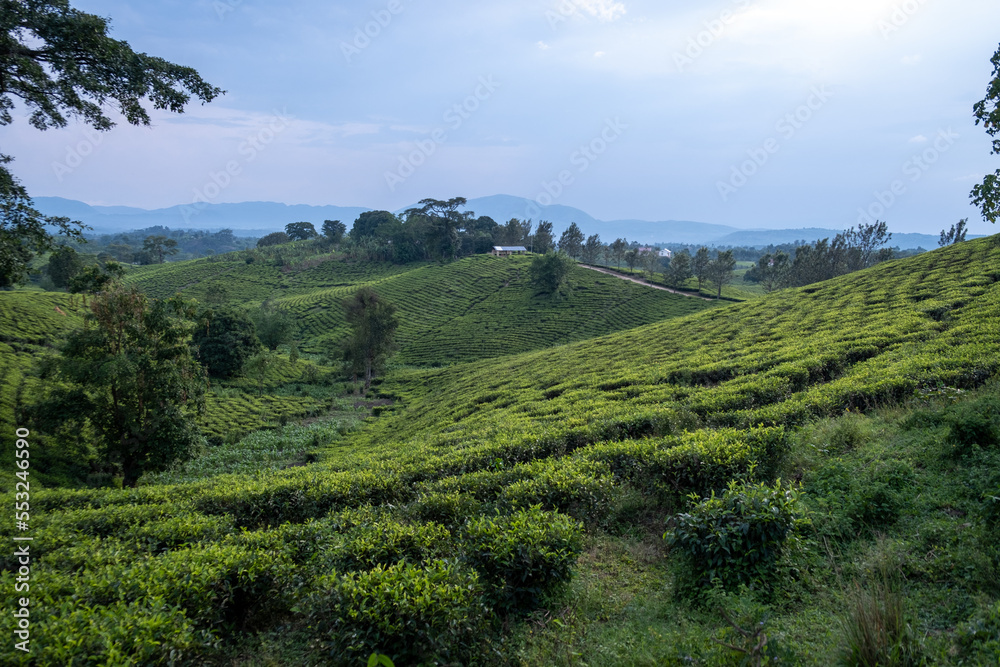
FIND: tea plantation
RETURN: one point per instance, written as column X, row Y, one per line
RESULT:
column 804, row 479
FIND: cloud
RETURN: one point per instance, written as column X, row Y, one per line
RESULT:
column 600, row 54
column 604, row 10
column 919, row 139
column 911, row 60
column 543, row 46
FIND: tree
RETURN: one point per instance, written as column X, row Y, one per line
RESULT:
column 334, row 231
column 93, row 279
column 515, row 232
column 443, row 222
column 257, row 367
column 986, row 195
column 274, row 238
column 618, row 249
column 549, row 272
column 592, row 249
column 650, row 261
column 571, row 241
column 128, row 377
column 225, row 339
column 771, row 271
column 720, row 270
column 64, row 265
column 679, row 270
column 543, row 240
column 632, row 258
column 300, row 231
column 368, row 222
column 699, row 265
column 955, row 235
column 158, row 247
column 274, row 326
column 61, row 63
column 372, row 341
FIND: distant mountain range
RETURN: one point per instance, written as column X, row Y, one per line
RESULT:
column 259, row 218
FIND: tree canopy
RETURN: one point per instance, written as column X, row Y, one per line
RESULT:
column 373, row 325
column 61, row 63
column 300, row 231
column 986, row 195
column 225, row 339
column 129, row 377
column 550, row 271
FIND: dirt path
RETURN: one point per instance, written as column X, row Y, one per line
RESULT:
column 640, row 281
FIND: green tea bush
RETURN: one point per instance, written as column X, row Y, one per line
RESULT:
column 735, row 538
column 216, row 585
column 581, row 489
column 415, row 614
column 123, row 633
column 387, row 542
column 448, row 509
column 522, row 556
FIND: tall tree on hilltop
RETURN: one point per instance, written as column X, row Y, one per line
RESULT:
column 699, row 265
column 571, row 241
column 618, row 249
column 720, row 270
column 592, row 249
column 158, row 247
column 954, row 235
column 61, row 63
column 679, row 270
column 543, row 241
column 334, row 231
column 372, row 340
column 300, row 231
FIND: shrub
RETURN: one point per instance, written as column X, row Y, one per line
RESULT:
column 581, row 489
column 523, row 555
column 735, row 538
column 973, row 423
column 448, row 509
column 387, row 542
column 136, row 633
column 414, row 614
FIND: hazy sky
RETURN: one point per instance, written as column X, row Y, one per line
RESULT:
column 774, row 113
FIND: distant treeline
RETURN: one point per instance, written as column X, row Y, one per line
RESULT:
column 139, row 246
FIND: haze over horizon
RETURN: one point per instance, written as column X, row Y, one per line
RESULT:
column 767, row 113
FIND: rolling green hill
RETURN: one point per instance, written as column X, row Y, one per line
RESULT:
column 512, row 510
column 475, row 308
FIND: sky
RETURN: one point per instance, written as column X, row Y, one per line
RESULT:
column 750, row 113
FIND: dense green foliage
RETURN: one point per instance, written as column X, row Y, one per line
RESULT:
column 986, row 195
column 226, row 339
column 131, row 378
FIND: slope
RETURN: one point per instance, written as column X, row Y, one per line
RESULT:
column 475, row 308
